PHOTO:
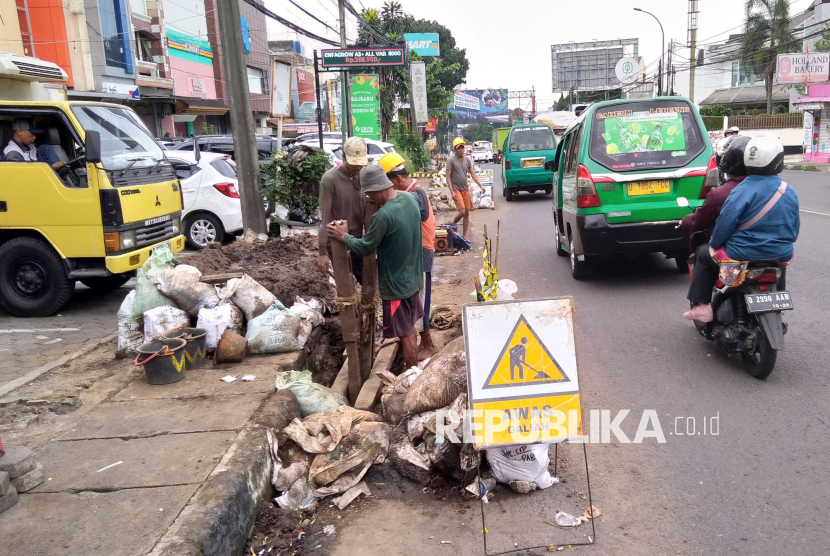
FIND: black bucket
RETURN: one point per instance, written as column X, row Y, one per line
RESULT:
column 163, row 360
column 195, row 350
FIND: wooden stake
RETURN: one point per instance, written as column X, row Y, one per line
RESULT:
column 498, row 233
column 367, row 316
column 348, row 313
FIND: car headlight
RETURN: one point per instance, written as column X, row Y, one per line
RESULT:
column 127, row 239
column 177, row 225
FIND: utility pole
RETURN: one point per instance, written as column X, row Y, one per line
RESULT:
column 669, row 85
column 693, row 15
column 344, row 76
column 242, row 119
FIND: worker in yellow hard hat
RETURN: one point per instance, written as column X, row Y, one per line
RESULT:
column 458, row 166
column 395, row 167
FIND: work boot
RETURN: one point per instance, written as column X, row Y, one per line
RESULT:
column 702, row 313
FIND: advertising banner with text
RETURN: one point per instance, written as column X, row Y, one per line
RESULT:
column 363, row 90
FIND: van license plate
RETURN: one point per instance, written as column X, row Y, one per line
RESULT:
column 533, row 163
column 649, row 187
column 766, row 302
column 160, row 246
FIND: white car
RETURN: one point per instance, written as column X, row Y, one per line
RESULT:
column 482, row 154
column 211, row 199
column 375, row 149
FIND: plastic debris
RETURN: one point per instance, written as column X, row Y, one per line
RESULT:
column 249, row 378
column 564, row 519
column 298, row 497
column 329, row 530
column 107, row 467
column 228, row 378
column 481, row 488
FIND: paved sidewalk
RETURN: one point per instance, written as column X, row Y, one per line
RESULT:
column 135, row 468
column 797, row 162
column 29, row 343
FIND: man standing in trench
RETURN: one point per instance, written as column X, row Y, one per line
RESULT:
column 458, row 165
column 395, row 234
column 341, row 199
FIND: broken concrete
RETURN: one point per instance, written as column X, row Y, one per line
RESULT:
column 9, row 499
column 17, row 461
column 5, row 483
column 30, row 480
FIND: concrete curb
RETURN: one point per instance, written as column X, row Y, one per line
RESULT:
column 32, row 375
column 800, row 167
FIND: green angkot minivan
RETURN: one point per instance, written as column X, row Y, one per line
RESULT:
column 526, row 150
column 618, row 173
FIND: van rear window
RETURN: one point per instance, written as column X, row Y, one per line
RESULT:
column 537, row 138
column 645, row 135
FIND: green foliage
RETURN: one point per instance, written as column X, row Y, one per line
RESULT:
column 766, row 33
column 823, row 44
column 409, row 145
column 294, row 179
column 562, row 103
column 810, row 168
column 477, row 132
column 716, row 110
column 208, row 129
column 712, row 123
column 780, row 109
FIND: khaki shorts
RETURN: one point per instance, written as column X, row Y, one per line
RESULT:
column 462, row 199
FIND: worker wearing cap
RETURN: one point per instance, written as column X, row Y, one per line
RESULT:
column 21, row 147
column 458, row 166
column 394, row 166
column 341, row 199
column 395, row 233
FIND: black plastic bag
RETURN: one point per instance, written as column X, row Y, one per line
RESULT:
column 298, row 214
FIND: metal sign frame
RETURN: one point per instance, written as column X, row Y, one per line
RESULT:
column 601, row 76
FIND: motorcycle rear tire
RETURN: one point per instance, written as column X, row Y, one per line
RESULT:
column 760, row 363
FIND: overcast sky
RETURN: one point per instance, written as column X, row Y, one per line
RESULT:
column 508, row 41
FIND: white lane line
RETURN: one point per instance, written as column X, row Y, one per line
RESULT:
column 815, row 212
column 33, row 330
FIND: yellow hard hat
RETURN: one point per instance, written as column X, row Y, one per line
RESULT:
column 390, row 161
column 457, row 141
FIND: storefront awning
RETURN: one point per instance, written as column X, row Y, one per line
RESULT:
column 756, row 94
column 203, row 106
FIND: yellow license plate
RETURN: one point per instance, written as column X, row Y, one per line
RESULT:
column 649, row 187
column 532, row 163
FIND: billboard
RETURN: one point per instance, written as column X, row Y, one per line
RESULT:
column 478, row 105
column 362, row 57
column 280, row 89
column 363, row 91
column 425, row 44
column 590, row 66
column 803, row 67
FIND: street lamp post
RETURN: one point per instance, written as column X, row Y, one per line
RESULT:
column 663, row 48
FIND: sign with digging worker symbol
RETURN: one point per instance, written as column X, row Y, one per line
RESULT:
column 522, row 372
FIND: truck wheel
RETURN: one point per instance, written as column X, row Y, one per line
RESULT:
column 203, row 229
column 508, row 193
column 559, row 241
column 106, row 283
column 33, row 280
column 548, row 190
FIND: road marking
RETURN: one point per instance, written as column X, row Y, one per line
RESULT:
column 815, row 212
column 33, row 330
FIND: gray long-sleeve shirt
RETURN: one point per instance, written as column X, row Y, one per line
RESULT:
column 340, row 199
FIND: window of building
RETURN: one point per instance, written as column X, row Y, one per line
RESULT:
column 143, row 47
column 256, row 81
column 139, row 7
column 754, row 76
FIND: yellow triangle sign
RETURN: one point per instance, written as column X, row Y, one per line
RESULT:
column 524, row 361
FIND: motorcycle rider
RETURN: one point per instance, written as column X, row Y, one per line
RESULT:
column 720, row 148
column 770, row 237
column 732, row 163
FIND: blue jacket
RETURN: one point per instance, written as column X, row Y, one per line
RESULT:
column 773, row 236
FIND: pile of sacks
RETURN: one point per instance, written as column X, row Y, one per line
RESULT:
column 325, row 448
column 170, row 295
column 481, row 196
column 411, row 402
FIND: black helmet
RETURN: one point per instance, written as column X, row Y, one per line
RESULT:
column 732, row 160
column 764, row 156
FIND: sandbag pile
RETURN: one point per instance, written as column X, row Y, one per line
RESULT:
column 170, row 295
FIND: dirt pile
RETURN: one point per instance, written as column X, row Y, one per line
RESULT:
column 282, row 265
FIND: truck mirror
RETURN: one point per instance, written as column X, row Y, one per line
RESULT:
column 92, row 148
column 550, row 165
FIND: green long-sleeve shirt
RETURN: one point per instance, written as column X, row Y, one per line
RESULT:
column 395, row 234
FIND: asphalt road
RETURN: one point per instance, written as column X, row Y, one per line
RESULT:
column 757, row 487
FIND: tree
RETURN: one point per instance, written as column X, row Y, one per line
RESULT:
column 477, row 132
column 766, row 31
column 450, row 53
column 823, row 44
column 562, row 103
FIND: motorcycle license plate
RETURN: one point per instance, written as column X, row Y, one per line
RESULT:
column 765, row 302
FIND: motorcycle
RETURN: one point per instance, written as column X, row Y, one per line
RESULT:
column 747, row 317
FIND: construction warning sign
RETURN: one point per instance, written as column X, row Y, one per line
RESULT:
column 522, row 371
